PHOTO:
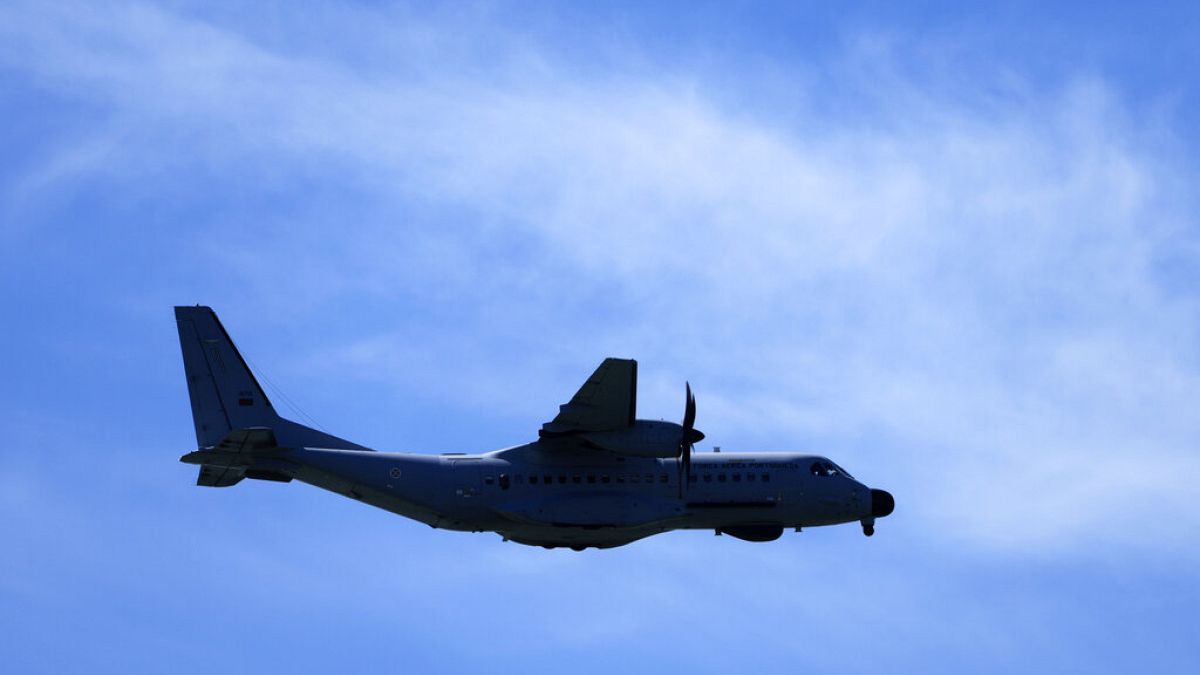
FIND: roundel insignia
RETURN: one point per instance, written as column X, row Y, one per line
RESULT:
column 395, row 472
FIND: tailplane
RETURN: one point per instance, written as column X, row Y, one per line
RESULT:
column 226, row 397
column 244, row 453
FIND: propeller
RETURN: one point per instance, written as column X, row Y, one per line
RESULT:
column 687, row 439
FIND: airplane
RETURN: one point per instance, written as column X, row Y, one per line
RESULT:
column 596, row 477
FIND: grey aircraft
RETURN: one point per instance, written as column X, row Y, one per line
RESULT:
column 597, row 476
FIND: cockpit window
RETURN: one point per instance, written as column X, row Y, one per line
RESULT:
column 824, row 467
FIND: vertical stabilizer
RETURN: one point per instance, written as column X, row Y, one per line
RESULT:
column 225, row 396
column 224, row 393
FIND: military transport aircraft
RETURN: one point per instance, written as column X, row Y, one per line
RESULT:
column 597, row 476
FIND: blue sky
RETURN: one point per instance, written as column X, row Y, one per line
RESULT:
column 955, row 251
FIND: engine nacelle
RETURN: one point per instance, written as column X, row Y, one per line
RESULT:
column 644, row 439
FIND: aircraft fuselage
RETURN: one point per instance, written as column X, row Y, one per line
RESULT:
column 531, row 498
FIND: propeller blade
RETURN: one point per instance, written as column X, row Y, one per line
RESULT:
column 686, row 438
column 689, row 412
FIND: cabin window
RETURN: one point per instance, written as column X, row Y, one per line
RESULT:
column 693, row 478
column 708, row 478
column 750, row 477
column 591, row 478
column 766, row 477
column 620, row 478
column 635, row 478
column 663, row 478
column 737, row 477
column 547, row 479
column 488, row 480
column 649, row 478
column 504, row 482
column 720, row 478
column 604, row 479
column 577, row 479
column 825, row 468
column 562, row 479
column 532, row 479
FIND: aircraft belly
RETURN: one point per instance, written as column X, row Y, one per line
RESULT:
column 579, row 537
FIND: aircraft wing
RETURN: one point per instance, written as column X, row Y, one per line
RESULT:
column 606, row 402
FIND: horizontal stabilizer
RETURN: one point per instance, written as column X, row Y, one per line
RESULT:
column 220, row 476
column 239, row 455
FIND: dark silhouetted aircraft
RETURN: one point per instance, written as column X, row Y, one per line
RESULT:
column 597, row 476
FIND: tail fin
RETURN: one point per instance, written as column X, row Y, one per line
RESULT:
column 224, row 394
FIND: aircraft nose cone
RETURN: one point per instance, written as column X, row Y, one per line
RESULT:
column 882, row 503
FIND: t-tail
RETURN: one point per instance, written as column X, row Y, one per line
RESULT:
column 237, row 428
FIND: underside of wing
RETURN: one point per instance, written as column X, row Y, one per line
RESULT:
column 606, row 402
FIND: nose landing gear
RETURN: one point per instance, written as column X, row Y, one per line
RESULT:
column 882, row 504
